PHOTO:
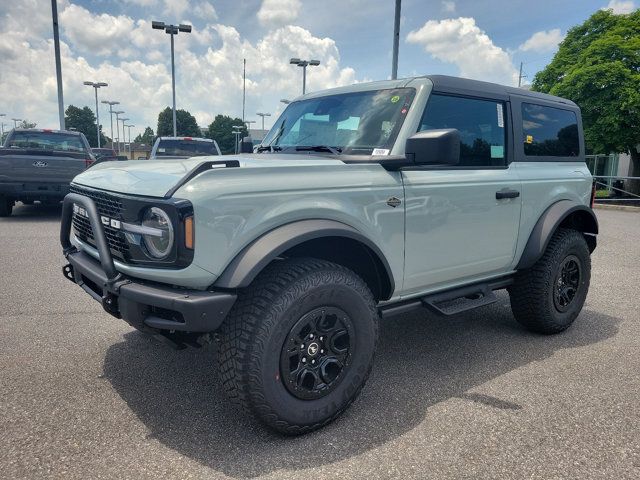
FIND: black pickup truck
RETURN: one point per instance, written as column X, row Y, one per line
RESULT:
column 39, row 164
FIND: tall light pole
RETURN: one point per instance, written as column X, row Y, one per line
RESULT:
column 15, row 122
column 124, row 136
column 172, row 30
column 237, row 131
column 129, row 127
column 2, row 127
column 56, row 49
column 111, row 104
column 304, row 64
column 96, row 86
column 244, row 84
column 116, row 113
column 263, row 115
column 396, row 41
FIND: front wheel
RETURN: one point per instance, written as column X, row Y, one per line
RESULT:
column 6, row 207
column 298, row 344
column 548, row 297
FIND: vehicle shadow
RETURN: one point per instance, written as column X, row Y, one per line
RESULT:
column 422, row 360
column 34, row 213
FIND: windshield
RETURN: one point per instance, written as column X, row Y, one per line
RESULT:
column 46, row 141
column 358, row 123
column 185, row 148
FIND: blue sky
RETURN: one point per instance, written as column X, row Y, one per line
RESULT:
column 112, row 41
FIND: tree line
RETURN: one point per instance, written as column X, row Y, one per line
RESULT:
column 84, row 120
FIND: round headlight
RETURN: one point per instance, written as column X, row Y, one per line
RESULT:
column 158, row 246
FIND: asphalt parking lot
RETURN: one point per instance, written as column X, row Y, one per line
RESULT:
column 82, row 395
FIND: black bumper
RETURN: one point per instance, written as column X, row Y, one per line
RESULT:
column 34, row 190
column 144, row 305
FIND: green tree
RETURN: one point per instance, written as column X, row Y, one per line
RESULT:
column 598, row 67
column 146, row 137
column 186, row 125
column 27, row 124
column 221, row 130
column 83, row 120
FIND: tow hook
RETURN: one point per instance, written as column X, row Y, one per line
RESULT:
column 110, row 304
column 67, row 271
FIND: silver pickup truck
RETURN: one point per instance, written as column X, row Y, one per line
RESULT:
column 39, row 164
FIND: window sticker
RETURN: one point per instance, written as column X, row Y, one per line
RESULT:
column 500, row 115
column 529, row 139
column 497, row 151
column 380, row 151
column 395, row 99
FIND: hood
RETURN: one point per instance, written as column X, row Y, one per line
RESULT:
column 154, row 178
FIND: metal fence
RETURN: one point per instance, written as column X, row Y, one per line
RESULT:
column 616, row 187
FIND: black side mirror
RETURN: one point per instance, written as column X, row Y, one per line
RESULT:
column 434, row 147
column 246, row 146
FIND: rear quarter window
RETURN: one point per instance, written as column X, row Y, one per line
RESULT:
column 549, row 131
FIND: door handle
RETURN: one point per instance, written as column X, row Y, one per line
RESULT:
column 507, row 193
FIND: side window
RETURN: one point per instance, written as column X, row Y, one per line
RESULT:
column 549, row 132
column 480, row 123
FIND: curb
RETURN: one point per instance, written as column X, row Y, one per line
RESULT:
column 626, row 208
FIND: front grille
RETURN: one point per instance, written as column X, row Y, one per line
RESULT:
column 107, row 205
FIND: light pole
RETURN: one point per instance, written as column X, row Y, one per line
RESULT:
column 118, row 127
column 2, row 127
column 129, row 128
column 304, row 64
column 15, row 122
column 124, row 136
column 237, row 131
column 172, row 30
column 96, row 86
column 396, row 41
column 263, row 115
column 56, row 50
column 111, row 104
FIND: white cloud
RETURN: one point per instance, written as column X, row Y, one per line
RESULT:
column 208, row 77
column 461, row 42
column 278, row 12
column 543, row 41
column 621, row 6
column 448, row 6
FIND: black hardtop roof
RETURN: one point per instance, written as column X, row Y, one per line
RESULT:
column 446, row 83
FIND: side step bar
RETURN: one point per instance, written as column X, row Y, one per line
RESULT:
column 451, row 302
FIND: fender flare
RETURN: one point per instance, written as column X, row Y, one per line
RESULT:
column 252, row 259
column 549, row 222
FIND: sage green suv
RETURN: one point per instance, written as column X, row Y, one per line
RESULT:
column 362, row 202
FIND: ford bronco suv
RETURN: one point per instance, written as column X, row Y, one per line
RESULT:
column 362, row 202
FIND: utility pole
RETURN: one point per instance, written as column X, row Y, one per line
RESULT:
column 244, row 84
column 172, row 30
column 56, row 48
column 111, row 104
column 521, row 76
column 96, row 86
column 396, row 41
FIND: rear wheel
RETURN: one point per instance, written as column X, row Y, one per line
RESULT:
column 6, row 207
column 298, row 345
column 548, row 297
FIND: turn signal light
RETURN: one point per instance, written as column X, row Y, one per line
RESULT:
column 188, row 233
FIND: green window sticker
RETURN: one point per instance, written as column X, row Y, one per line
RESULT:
column 497, row 151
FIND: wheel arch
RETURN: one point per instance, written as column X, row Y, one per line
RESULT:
column 562, row 214
column 325, row 239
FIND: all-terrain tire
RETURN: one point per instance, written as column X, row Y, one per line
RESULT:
column 254, row 336
column 535, row 301
column 6, row 207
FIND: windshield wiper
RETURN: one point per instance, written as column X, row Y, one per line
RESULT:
column 319, row 148
column 270, row 148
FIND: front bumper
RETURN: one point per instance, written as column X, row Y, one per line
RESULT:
column 144, row 305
